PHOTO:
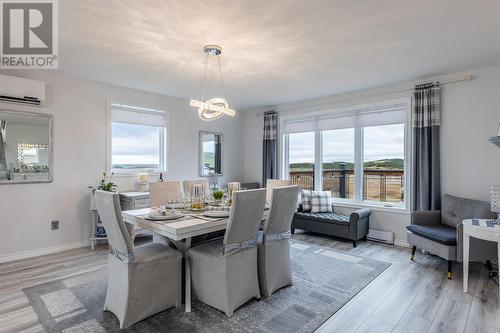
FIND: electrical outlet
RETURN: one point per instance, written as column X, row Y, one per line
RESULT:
column 54, row 225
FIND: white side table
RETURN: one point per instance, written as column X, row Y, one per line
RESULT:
column 481, row 231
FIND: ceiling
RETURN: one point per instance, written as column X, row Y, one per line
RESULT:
column 275, row 51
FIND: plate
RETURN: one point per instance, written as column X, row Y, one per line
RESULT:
column 169, row 216
column 217, row 213
column 176, row 205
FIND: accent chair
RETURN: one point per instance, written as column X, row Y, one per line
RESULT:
column 440, row 232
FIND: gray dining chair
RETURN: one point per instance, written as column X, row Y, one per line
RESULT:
column 273, row 246
column 142, row 281
column 224, row 271
column 272, row 183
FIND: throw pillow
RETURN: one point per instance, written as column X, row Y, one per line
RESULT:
column 306, row 200
column 321, row 202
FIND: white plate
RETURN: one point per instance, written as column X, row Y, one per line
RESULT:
column 216, row 213
column 169, row 216
column 176, row 205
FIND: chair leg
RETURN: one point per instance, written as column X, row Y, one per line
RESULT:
column 413, row 250
column 354, row 243
column 292, row 230
column 450, row 263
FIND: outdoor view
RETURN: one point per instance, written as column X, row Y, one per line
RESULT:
column 383, row 167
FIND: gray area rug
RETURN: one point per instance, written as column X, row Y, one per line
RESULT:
column 324, row 280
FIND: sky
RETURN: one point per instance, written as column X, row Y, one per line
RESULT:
column 135, row 144
column 380, row 142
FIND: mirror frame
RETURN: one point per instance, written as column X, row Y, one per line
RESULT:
column 51, row 146
column 200, row 153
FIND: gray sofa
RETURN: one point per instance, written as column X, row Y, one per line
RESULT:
column 441, row 232
column 353, row 227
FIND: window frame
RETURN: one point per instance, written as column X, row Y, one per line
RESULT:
column 164, row 140
column 358, row 157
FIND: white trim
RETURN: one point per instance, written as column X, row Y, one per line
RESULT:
column 42, row 251
column 373, row 205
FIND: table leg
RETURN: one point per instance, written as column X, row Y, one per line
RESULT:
column 466, row 261
column 187, row 267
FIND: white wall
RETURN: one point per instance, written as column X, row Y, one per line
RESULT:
column 79, row 109
column 470, row 115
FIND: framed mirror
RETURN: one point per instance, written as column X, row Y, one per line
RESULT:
column 210, row 153
column 25, row 147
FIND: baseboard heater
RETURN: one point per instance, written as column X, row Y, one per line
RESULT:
column 386, row 237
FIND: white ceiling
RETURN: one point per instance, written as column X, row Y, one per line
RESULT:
column 275, row 51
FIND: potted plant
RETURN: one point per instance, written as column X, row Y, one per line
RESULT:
column 106, row 184
column 218, row 195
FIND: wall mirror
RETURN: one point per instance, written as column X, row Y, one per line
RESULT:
column 210, row 153
column 25, row 147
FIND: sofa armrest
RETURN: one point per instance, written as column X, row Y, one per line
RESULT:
column 359, row 223
column 426, row 217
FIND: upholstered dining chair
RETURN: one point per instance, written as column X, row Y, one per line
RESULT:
column 272, row 183
column 224, row 271
column 160, row 193
column 188, row 185
column 142, row 281
column 273, row 246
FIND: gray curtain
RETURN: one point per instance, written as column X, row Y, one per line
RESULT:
column 270, row 147
column 218, row 155
column 3, row 162
column 426, row 119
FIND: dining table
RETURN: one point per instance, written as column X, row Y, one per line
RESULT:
column 179, row 232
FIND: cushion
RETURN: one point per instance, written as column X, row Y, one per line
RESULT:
column 324, row 217
column 321, row 202
column 306, row 200
column 437, row 232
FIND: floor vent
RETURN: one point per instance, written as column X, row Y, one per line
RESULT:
column 386, row 237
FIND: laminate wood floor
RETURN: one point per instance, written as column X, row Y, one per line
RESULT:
column 410, row 296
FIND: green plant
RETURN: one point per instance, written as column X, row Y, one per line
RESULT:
column 106, row 184
column 218, row 194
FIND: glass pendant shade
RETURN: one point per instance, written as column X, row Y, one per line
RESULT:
column 214, row 107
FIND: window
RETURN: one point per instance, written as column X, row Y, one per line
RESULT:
column 358, row 154
column 138, row 139
column 338, row 162
column 301, row 159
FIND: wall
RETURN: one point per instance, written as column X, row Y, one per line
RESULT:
column 79, row 109
column 470, row 115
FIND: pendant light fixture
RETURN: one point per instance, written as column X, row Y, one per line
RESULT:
column 211, row 107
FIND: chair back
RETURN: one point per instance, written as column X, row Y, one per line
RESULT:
column 455, row 209
column 282, row 211
column 160, row 193
column 108, row 207
column 272, row 183
column 246, row 216
column 188, row 185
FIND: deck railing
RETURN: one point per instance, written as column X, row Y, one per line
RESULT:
column 382, row 185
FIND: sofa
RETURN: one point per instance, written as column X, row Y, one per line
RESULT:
column 440, row 232
column 353, row 227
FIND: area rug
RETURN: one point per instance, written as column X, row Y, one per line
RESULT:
column 324, row 280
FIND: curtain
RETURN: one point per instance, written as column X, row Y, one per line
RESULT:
column 3, row 162
column 426, row 118
column 270, row 147
column 218, row 155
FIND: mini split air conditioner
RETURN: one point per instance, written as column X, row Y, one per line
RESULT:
column 21, row 91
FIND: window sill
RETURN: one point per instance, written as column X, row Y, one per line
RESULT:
column 372, row 206
column 135, row 173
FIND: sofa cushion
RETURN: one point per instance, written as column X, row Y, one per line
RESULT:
column 324, row 217
column 437, row 232
column 321, row 202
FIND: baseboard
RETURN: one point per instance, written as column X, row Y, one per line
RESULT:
column 42, row 251
column 400, row 242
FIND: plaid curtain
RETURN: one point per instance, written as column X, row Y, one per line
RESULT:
column 426, row 119
column 270, row 147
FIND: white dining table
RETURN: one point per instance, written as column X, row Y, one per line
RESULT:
column 179, row 232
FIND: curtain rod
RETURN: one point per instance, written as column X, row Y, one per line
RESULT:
column 388, row 92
